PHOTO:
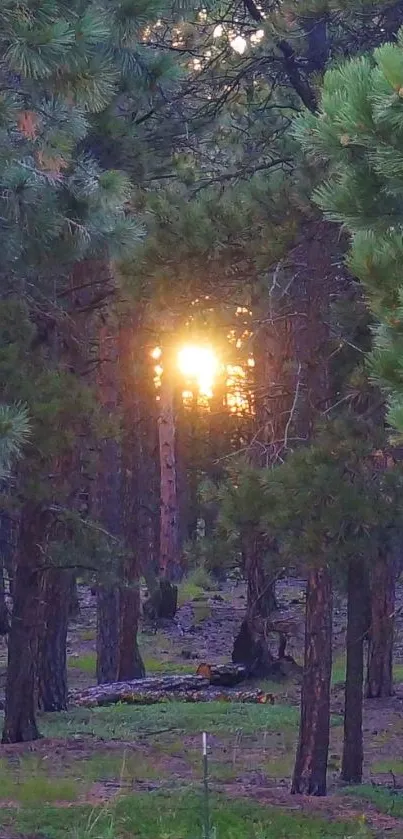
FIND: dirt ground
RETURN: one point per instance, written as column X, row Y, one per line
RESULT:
column 203, row 631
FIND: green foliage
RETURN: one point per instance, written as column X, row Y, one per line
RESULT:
column 327, row 503
column 14, row 433
column 358, row 133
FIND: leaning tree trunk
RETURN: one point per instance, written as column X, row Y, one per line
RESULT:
column 21, row 697
column 52, row 659
column 381, row 634
column 313, row 743
column 357, row 628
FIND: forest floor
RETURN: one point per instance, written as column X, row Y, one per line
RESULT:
column 125, row 771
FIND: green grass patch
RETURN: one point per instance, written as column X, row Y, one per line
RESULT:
column 175, row 816
column 123, row 765
column 87, row 663
column 339, row 670
column 88, row 635
column 27, row 782
column 157, row 666
column 385, row 800
column 386, row 766
column 122, row 722
column 398, row 672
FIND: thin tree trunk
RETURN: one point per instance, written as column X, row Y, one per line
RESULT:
column 21, row 698
column 357, row 627
column 169, row 540
column 313, row 743
column 381, row 634
column 52, row 661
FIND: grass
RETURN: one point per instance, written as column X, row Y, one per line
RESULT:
column 339, row 670
column 174, row 816
column 123, row 721
column 86, row 663
column 156, row 666
column 386, row 766
column 385, row 800
column 124, row 766
column 28, row 783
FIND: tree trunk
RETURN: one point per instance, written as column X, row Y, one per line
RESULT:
column 74, row 603
column 21, row 699
column 107, row 633
column 52, row 661
column 313, row 743
column 381, row 634
column 130, row 662
column 251, row 645
column 357, row 627
column 169, row 541
column 107, row 507
column 4, row 616
column 261, row 587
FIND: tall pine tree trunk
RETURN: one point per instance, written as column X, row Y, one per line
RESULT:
column 52, row 660
column 170, row 567
column 107, row 633
column 21, row 696
column 107, row 507
column 4, row 616
column 130, row 662
column 381, row 634
column 357, row 627
column 313, row 744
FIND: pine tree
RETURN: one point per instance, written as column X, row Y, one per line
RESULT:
column 357, row 134
column 61, row 66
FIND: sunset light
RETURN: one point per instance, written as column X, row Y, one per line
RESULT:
column 199, row 364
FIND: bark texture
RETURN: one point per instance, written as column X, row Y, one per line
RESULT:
column 21, row 697
column 170, row 567
column 107, row 633
column 357, row 627
column 107, row 507
column 313, row 743
column 52, row 660
column 140, row 486
column 381, row 634
column 4, row 615
column 251, row 646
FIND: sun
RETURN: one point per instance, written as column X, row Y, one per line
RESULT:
column 199, row 364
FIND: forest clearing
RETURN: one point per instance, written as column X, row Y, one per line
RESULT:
column 94, row 769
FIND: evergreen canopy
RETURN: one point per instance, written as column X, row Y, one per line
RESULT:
column 358, row 135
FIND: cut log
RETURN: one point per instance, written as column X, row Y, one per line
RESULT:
column 133, row 695
column 223, row 675
column 109, row 694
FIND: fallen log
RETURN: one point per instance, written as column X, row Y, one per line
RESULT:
column 112, row 692
column 223, row 675
column 153, row 697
